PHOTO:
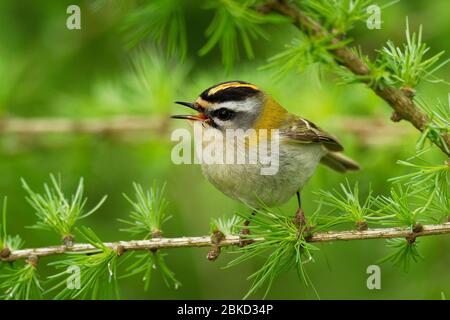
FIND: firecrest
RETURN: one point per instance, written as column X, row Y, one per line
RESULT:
column 302, row 144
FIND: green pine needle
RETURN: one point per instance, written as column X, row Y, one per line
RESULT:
column 438, row 126
column 287, row 249
column 337, row 15
column 163, row 22
column 149, row 211
column 302, row 52
column 429, row 184
column 234, row 20
column 6, row 240
column 149, row 262
column 348, row 204
column 379, row 76
column 14, row 242
column 408, row 65
column 396, row 209
column 148, row 215
column 228, row 226
column 54, row 211
column 98, row 272
column 403, row 255
column 3, row 234
column 425, row 173
column 20, row 283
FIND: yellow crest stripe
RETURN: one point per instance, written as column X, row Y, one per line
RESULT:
column 231, row 85
column 202, row 103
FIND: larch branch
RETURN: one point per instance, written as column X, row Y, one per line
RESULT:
column 402, row 103
column 229, row 240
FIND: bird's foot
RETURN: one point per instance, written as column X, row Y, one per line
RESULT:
column 299, row 218
column 301, row 224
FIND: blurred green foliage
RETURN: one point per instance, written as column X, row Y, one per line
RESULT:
column 47, row 71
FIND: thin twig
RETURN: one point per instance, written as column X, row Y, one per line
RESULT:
column 230, row 240
column 360, row 126
column 91, row 126
column 402, row 103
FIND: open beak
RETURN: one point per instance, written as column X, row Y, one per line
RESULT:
column 198, row 117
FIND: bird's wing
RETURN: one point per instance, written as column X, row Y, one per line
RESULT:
column 303, row 131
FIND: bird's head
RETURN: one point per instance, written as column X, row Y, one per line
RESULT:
column 235, row 105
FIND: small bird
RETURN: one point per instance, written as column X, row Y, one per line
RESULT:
column 302, row 144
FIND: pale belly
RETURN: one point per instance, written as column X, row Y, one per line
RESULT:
column 245, row 183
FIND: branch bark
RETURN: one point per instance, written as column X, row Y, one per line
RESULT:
column 400, row 101
column 230, row 240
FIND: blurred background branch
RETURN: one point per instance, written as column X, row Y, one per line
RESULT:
column 367, row 130
column 22, row 126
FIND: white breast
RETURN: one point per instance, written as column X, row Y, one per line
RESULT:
column 245, row 183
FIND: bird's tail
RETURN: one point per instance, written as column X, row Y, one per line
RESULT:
column 339, row 162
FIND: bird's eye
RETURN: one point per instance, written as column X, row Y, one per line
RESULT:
column 224, row 114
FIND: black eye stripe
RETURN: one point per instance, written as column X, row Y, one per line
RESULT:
column 223, row 114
